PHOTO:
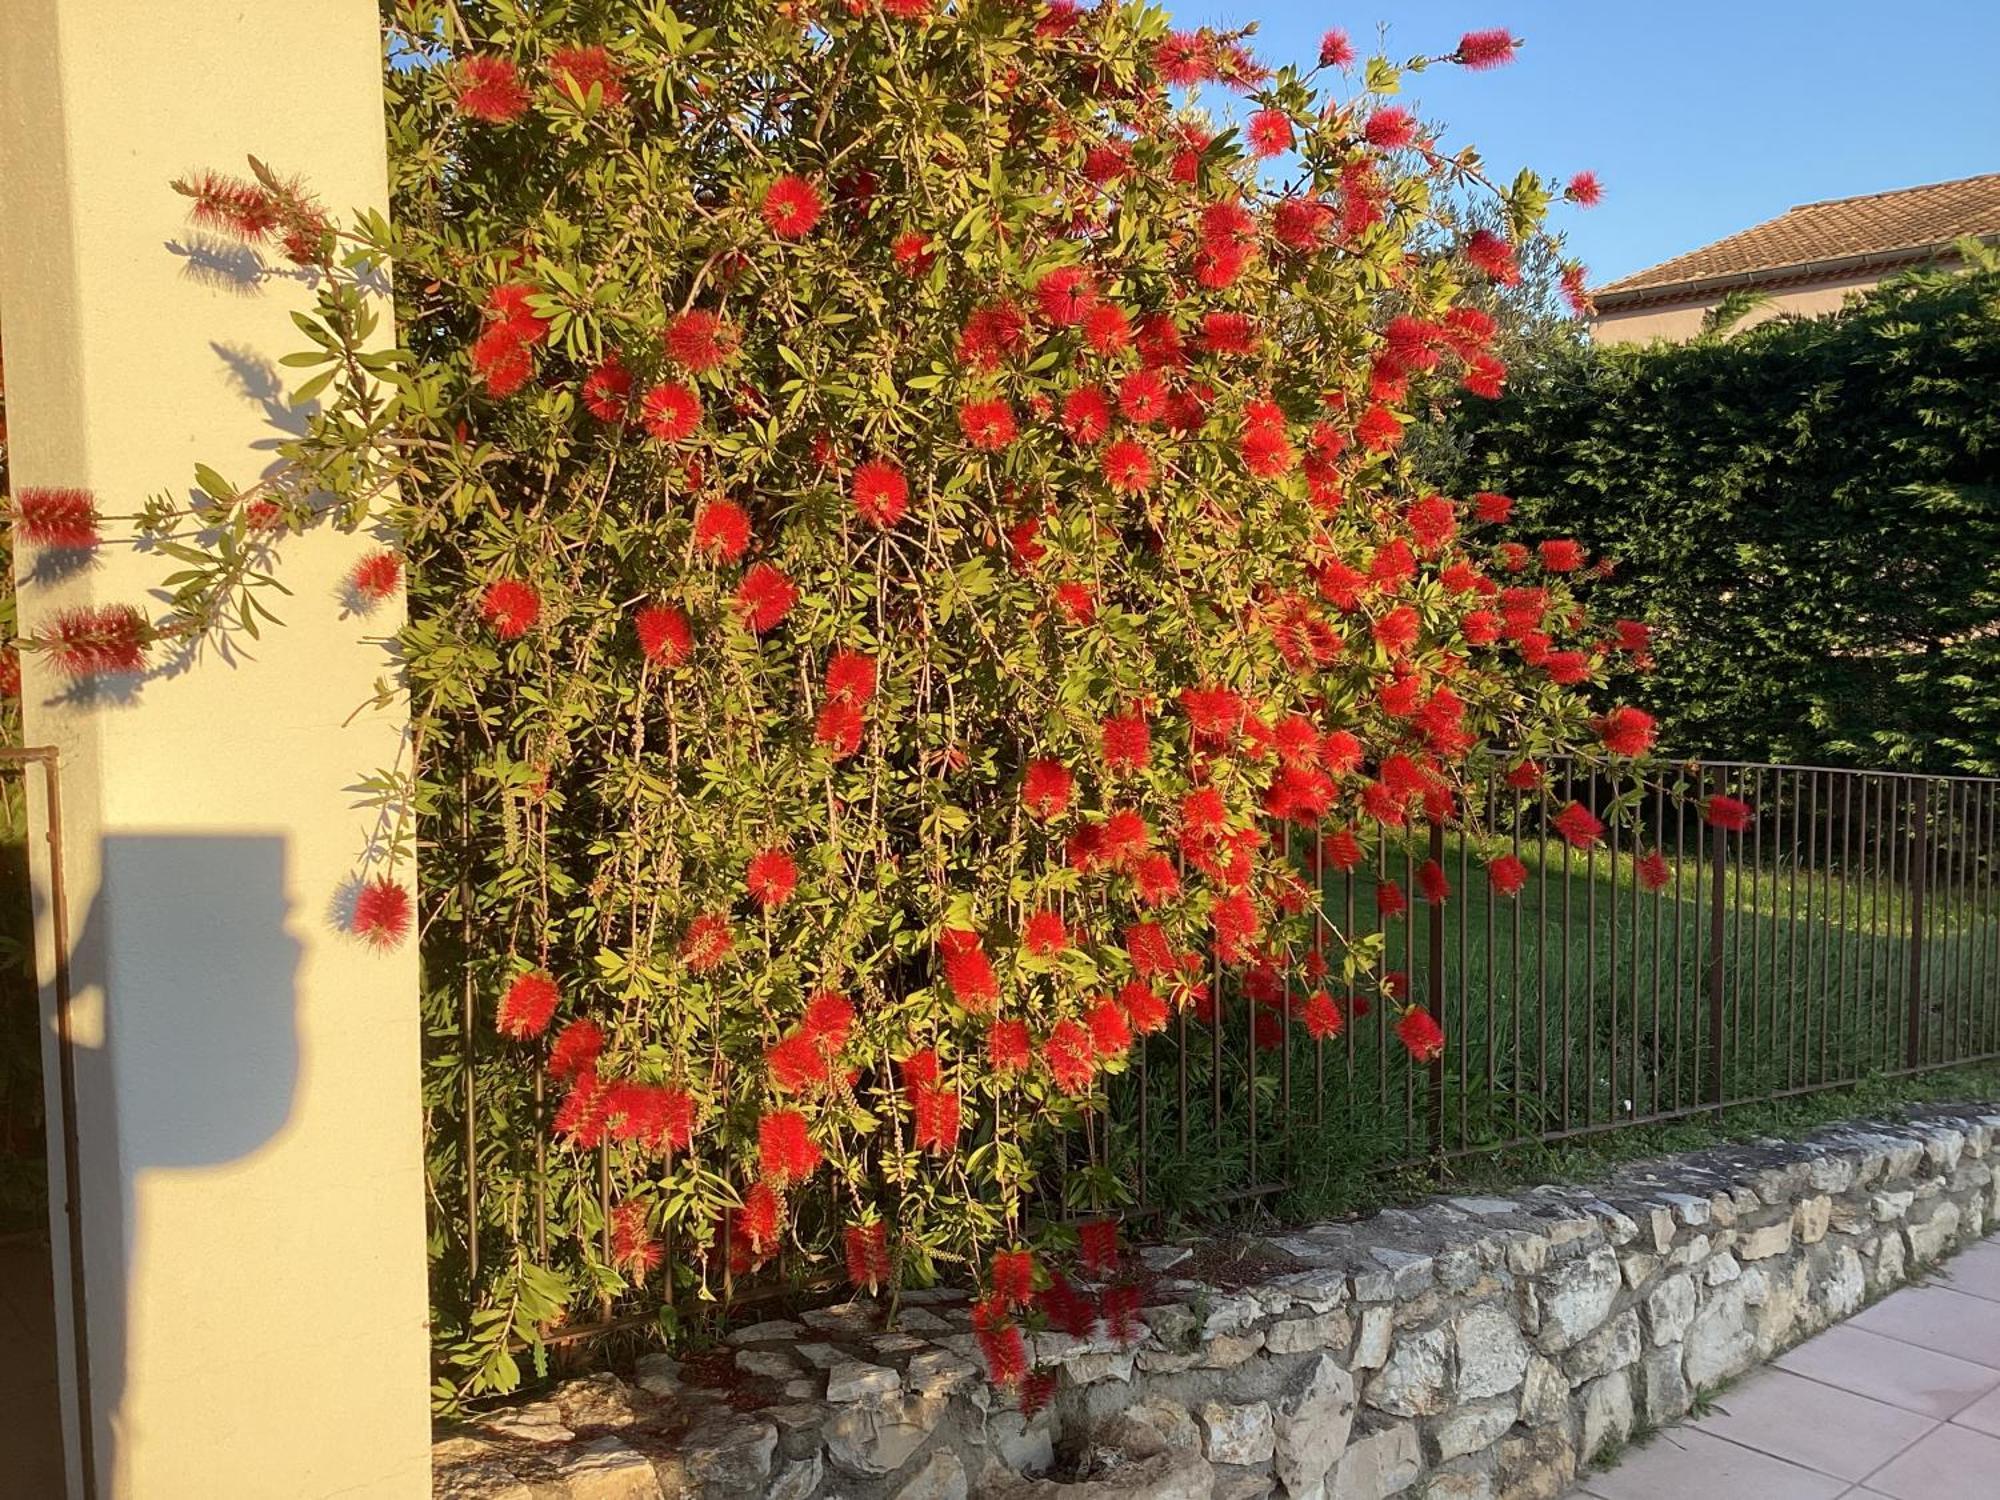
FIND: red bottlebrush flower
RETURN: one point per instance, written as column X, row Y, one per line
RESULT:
column 1066, row 294
column 866, row 1248
column 581, row 1116
column 764, row 598
column 1008, row 1047
column 1577, row 824
column 1237, row 926
column 1560, row 555
column 1086, row 415
column 1110, row 1031
column 607, row 390
column 1492, row 254
column 1432, row 883
column 241, row 208
column 576, row 1049
column 1075, row 600
column 501, row 360
column 1027, row 550
column 1584, row 190
column 881, row 493
column 1067, row 1309
column 994, row 333
column 1335, row 50
column 1068, row 1055
column 1727, row 813
column 796, row 1064
column 581, row 67
column 1433, row 522
column 1653, row 871
column 1182, row 58
column 1231, row 335
column 1160, row 344
column 1301, row 223
column 1215, row 715
column 1485, row 376
column 1269, row 132
column 490, row 89
column 1266, row 452
column 1006, row 1355
column 707, row 942
column 968, row 970
column 382, row 912
column 785, row 1148
column 1107, row 329
column 772, row 876
column 792, row 206
column 1389, row 899
column 1524, row 777
column 1323, row 1018
column 839, row 727
column 722, row 530
column 632, row 1247
column 1379, row 429
column 64, row 520
column 1097, row 1246
column 1485, row 49
column 758, row 1222
column 1043, row 934
column 1421, row 1035
column 1568, row 667
column 934, row 1120
column 1390, row 129
column 907, row 10
column 1046, row 789
column 1491, row 508
column 699, row 340
column 1108, row 163
column 1011, row 1274
column 1143, row 1008
column 1635, row 638
column 1627, row 731
column 670, row 411
column 828, row 1020
column 1128, row 467
column 511, row 607
column 919, row 1070
column 1575, row 282
column 851, row 675
column 913, row 252
column 376, row 576
column 1397, row 631
column 1142, row 396
column 1507, row 874
column 1126, row 742
column 665, row 636
column 1154, row 879
column 528, row 1006
column 10, row 673
column 988, row 425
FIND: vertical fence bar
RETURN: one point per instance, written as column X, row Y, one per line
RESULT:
column 1718, row 864
column 1434, row 958
column 1920, row 810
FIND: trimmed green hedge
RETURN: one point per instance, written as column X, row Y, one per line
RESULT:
column 1809, row 513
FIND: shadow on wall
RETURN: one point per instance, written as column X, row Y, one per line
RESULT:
column 196, row 1065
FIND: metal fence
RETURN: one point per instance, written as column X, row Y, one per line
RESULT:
column 1851, row 930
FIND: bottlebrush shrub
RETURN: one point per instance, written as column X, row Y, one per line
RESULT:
column 897, row 503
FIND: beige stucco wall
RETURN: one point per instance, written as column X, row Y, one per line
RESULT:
column 247, row 1073
column 1682, row 320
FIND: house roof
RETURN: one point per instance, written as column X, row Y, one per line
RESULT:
column 1875, row 228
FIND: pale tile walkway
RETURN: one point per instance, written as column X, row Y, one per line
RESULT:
column 1901, row 1402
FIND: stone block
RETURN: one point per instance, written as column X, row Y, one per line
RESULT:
column 1378, row 1465
column 1469, row 1428
column 1492, row 1356
column 1311, row 1425
column 1613, row 1347
column 1669, row 1308
column 1575, row 1297
column 1607, row 1413
column 1236, row 1433
column 1416, row 1379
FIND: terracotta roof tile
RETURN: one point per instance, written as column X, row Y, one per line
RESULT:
column 1884, row 224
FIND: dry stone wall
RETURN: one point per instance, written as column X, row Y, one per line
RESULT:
column 1462, row 1349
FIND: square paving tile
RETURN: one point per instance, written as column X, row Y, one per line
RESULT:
column 1934, row 1317
column 1872, row 1364
column 1686, row 1462
column 1947, row 1463
column 1983, row 1415
column 1976, row 1272
column 1814, row 1425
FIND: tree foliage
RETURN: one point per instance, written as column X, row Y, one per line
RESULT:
column 899, row 502
column 1809, row 511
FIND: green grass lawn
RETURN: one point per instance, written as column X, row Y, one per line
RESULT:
column 1580, row 1006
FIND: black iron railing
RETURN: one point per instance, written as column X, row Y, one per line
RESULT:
column 1850, row 930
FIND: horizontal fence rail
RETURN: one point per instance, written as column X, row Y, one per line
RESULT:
column 1850, row 931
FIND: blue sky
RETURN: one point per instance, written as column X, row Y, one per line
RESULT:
column 1701, row 118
